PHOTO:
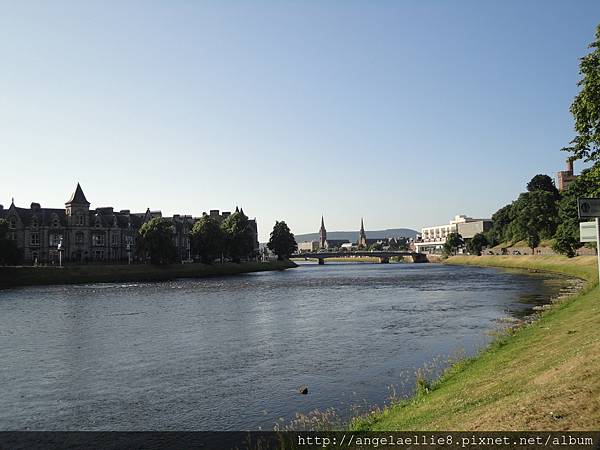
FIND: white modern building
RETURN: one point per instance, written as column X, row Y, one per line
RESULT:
column 308, row 246
column 433, row 238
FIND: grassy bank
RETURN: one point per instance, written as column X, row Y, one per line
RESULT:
column 26, row 276
column 544, row 376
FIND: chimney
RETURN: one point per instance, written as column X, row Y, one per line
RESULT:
column 570, row 166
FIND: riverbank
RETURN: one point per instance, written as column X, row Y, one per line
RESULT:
column 28, row 276
column 543, row 376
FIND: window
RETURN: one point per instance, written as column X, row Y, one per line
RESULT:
column 98, row 224
column 12, row 224
column 79, row 238
column 115, row 239
column 53, row 240
column 55, row 222
column 34, row 222
column 98, row 239
column 80, row 220
column 35, row 239
column 98, row 254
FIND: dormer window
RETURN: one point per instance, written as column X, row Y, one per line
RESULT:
column 34, row 222
column 55, row 222
column 12, row 224
column 98, row 224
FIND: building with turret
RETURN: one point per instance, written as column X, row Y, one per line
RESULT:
column 566, row 177
column 100, row 235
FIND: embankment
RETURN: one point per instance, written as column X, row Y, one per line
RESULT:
column 542, row 376
column 27, row 276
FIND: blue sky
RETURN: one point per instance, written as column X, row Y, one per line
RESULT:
column 403, row 112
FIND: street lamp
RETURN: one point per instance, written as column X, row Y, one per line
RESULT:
column 60, row 250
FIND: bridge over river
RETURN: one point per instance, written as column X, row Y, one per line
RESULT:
column 384, row 256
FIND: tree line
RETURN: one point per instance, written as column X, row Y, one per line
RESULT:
column 210, row 239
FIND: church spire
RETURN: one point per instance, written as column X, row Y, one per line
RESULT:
column 322, row 233
column 362, row 236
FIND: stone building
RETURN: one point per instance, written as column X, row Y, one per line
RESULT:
column 100, row 235
column 566, row 177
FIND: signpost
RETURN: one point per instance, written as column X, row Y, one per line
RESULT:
column 590, row 207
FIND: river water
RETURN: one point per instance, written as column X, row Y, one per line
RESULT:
column 230, row 353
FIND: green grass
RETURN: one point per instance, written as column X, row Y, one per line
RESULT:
column 24, row 276
column 543, row 376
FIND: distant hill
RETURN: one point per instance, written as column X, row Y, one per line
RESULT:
column 352, row 236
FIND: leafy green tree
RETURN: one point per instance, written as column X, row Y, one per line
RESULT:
column 498, row 232
column 155, row 239
column 207, row 239
column 586, row 107
column 454, row 241
column 543, row 183
column 9, row 252
column 239, row 238
column 476, row 244
column 376, row 247
column 534, row 211
column 533, row 240
column 282, row 241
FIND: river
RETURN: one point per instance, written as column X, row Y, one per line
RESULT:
column 230, row 353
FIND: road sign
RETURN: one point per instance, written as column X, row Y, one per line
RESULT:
column 588, row 207
column 587, row 232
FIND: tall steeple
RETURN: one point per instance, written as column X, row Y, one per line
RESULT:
column 322, row 233
column 362, row 236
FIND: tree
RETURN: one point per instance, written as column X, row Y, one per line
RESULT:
column 454, row 241
column 9, row 252
column 376, row 247
column 534, row 212
column 155, row 239
column 239, row 237
column 586, row 107
column 207, row 239
column 501, row 219
column 533, row 240
column 476, row 243
column 282, row 241
column 543, row 183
